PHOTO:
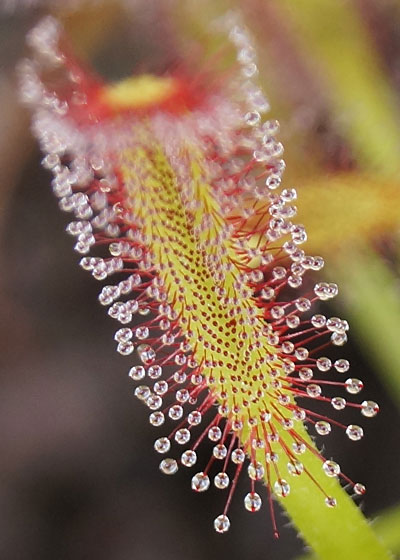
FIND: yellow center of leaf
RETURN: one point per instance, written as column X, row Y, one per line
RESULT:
column 139, row 92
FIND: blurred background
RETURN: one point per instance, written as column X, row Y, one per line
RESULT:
column 79, row 477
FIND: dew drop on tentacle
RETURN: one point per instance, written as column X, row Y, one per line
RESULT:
column 168, row 466
column 222, row 524
column 200, row 482
column 252, row 502
column 369, row 409
column 359, row 488
column 331, row 468
column 178, row 205
column 282, row 488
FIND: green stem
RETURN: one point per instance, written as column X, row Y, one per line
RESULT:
column 386, row 526
column 333, row 533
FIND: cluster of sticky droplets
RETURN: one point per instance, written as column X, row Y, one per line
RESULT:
column 244, row 169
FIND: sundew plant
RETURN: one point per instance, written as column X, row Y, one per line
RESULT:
column 175, row 184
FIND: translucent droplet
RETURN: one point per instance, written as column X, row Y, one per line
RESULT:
column 142, row 332
column 295, row 281
column 272, row 457
column 299, row 414
column 200, row 482
column 265, row 416
column 342, row 365
column 338, row 403
column 137, row 373
column 353, row 385
column 154, row 402
column 180, row 359
column 302, row 304
column 154, row 372
column 192, row 362
column 255, row 471
column 125, row 348
column 271, row 127
column 369, row 408
column 324, row 364
column 252, row 502
column 314, row 390
column 306, row 373
column 334, row 324
column 238, row 456
column 277, row 312
column 144, row 311
column 331, row 468
column 146, row 354
column 180, row 377
column 354, row 432
column 323, row 428
column 221, row 481
column 182, row 436
column 175, row 412
column 157, row 418
column 301, row 353
column 164, row 324
column 325, row 291
column 295, row 468
column 223, row 409
column 237, row 425
column 168, row 466
column 161, row 387
column 281, row 488
column 197, row 379
column 194, row 418
column 273, row 181
column 284, row 399
column 214, row 433
column 261, row 155
column 273, row 436
column 338, row 339
column 182, row 395
column 115, row 249
column 222, row 524
column 287, row 347
column 252, row 118
column 287, row 423
column 293, row 321
column 359, row 488
column 318, row 321
column 142, row 392
column 298, row 447
column 219, row 451
column 330, row 502
column 123, row 335
column 162, row 445
column 267, row 293
column 189, row 458
column 250, row 70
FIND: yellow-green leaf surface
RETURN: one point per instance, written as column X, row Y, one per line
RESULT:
column 205, row 318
